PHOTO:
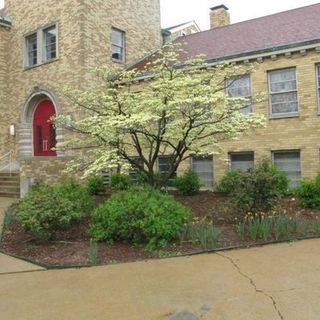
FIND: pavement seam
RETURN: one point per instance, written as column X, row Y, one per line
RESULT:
column 21, row 272
column 253, row 284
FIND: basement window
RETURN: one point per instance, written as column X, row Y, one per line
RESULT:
column 118, row 45
column 241, row 161
column 283, row 93
column 289, row 163
column 164, row 167
column 203, row 166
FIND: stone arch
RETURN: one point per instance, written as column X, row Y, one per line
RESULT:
column 37, row 95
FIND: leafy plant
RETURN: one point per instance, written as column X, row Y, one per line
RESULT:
column 96, row 185
column 257, row 190
column 309, row 193
column 201, row 232
column 93, row 253
column 140, row 216
column 229, row 182
column 120, row 182
column 47, row 209
column 188, row 184
column 241, row 230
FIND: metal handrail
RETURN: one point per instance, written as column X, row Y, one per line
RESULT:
column 9, row 157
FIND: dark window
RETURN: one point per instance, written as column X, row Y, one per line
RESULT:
column 164, row 166
column 32, row 50
column 50, row 41
column 203, row 166
column 135, row 170
column 118, row 45
column 289, row 163
column 242, row 161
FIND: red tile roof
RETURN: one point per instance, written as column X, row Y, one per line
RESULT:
column 266, row 33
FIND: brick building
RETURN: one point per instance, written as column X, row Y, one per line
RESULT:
column 286, row 48
column 44, row 44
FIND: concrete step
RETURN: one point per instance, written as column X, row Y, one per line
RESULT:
column 9, row 194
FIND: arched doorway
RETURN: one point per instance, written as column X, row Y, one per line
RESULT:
column 44, row 132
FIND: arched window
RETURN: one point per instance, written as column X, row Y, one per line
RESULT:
column 44, row 132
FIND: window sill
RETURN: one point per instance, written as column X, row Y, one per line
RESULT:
column 284, row 116
column 41, row 64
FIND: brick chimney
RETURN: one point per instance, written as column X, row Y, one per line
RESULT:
column 219, row 16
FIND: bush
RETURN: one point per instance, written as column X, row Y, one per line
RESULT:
column 141, row 216
column 120, row 182
column 47, row 209
column 188, row 184
column 96, row 186
column 309, row 193
column 257, row 190
column 229, row 182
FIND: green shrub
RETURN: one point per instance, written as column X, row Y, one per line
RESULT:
column 96, row 186
column 120, row 182
column 257, row 190
column 309, row 193
column 141, row 216
column 229, row 182
column 47, row 209
column 188, row 184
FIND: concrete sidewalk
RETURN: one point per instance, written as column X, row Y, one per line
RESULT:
column 270, row 283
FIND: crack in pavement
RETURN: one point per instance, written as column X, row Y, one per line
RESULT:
column 253, row 284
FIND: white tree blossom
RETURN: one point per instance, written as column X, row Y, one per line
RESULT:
column 174, row 109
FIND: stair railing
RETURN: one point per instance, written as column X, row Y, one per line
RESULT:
column 6, row 161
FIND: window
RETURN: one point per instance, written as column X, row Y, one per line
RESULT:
column 204, row 168
column 32, row 50
column 240, row 87
column 242, row 161
column 50, row 43
column 118, row 45
column 289, row 163
column 134, row 170
column 283, row 92
column 318, row 86
column 41, row 46
column 164, row 166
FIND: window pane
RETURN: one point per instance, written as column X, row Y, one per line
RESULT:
column 289, row 163
column 134, row 171
column 117, row 53
column 284, row 103
column 31, row 42
column 50, row 36
column 283, row 80
column 204, row 168
column 164, row 167
column 117, row 37
column 240, row 87
column 242, row 161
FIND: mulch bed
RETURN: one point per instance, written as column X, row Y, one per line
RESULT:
column 72, row 247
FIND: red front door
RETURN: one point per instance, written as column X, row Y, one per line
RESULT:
column 44, row 133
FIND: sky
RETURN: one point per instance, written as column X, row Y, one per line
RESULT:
column 178, row 11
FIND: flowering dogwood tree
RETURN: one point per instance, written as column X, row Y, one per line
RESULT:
column 132, row 117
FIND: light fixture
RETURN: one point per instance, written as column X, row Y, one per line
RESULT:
column 12, row 130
